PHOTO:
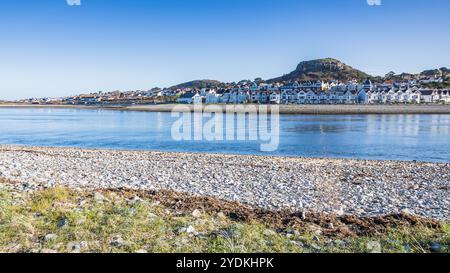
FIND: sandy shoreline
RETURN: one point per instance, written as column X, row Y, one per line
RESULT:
column 337, row 186
column 283, row 109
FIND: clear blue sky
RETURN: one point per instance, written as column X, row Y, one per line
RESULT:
column 48, row 48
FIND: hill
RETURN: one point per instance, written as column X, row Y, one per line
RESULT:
column 323, row 69
column 330, row 69
column 198, row 84
column 442, row 72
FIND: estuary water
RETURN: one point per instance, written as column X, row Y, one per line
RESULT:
column 393, row 137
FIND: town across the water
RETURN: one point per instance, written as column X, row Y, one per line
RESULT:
column 318, row 92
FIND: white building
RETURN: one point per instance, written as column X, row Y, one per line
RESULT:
column 190, row 98
column 212, row 97
column 275, row 98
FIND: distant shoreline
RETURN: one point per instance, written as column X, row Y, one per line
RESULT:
column 283, row 109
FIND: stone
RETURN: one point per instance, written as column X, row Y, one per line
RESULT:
column 221, row 215
column 117, row 241
column 269, row 232
column 74, row 247
column 50, row 237
column 62, row 223
column 136, row 200
column 303, row 215
column 436, row 248
column 373, row 247
column 407, row 248
column 197, row 213
column 84, row 244
column 188, row 230
column 297, row 243
column 315, row 247
column 15, row 249
column 340, row 212
column 80, row 222
column 99, row 197
column 49, row 251
column 406, row 211
column 340, row 243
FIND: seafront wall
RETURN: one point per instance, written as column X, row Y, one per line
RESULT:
column 283, row 109
column 321, row 109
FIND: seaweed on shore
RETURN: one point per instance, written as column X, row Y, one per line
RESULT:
column 330, row 225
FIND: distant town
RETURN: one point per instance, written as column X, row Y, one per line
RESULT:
column 324, row 81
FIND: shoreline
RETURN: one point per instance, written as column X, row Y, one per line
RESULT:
column 283, row 109
column 363, row 188
column 218, row 154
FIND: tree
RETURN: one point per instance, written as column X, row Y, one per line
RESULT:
column 259, row 80
column 390, row 74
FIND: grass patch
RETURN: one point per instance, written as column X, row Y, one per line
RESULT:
column 63, row 220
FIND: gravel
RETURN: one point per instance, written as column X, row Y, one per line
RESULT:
column 338, row 186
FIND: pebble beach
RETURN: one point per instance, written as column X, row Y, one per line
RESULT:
column 334, row 186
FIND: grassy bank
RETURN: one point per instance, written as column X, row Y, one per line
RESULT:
column 65, row 220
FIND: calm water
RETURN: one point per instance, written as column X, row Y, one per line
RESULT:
column 400, row 137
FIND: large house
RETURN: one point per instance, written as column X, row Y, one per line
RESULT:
column 189, row 98
column 407, row 96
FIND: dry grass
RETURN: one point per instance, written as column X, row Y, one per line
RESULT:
column 63, row 220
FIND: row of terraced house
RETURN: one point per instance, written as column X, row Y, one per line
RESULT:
column 320, row 93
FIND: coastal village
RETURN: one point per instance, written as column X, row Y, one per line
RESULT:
column 263, row 93
column 323, row 81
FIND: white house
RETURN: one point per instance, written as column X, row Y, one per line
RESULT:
column 212, row 97
column 186, row 98
column 426, row 96
column 239, row 97
column 301, row 97
column 190, row 98
column 197, row 98
column 275, row 98
column 362, row 96
column 445, row 96
column 264, row 97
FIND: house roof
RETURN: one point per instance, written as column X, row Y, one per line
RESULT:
column 426, row 92
column 188, row 95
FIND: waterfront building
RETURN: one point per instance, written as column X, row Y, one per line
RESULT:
column 187, row 98
column 212, row 97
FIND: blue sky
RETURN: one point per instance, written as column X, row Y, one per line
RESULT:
column 48, row 48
